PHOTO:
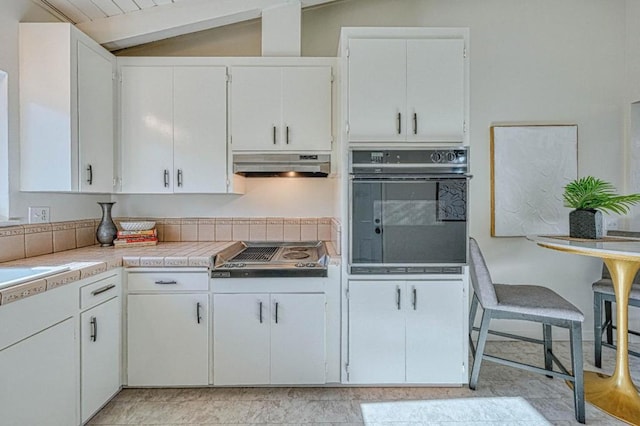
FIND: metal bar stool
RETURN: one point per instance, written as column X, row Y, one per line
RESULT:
column 528, row 303
column 603, row 295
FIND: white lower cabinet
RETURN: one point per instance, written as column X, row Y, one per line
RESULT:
column 168, row 339
column 407, row 332
column 38, row 384
column 276, row 338
column 100, row 355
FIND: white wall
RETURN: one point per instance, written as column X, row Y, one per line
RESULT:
column 632, row 106
column 264, row 197
column 63, row 206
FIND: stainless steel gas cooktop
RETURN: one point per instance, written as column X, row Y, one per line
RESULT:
column 271, row 259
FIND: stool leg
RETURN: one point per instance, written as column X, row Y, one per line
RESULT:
column 548, row 347
column 472, row 311
column 597, row 328
column 482, row 340
column 609, row 321
column 578, row 373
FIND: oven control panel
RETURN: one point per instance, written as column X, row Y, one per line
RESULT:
column 414, row 156
column 430, row 161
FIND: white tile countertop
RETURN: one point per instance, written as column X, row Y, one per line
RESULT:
column 88, row 261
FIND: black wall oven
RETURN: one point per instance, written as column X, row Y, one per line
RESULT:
column 408, row 211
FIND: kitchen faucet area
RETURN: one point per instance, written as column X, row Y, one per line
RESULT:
column 284, row 212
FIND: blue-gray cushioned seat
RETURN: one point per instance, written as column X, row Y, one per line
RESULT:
column 539, row 301
column 605, row 286
column 525, row 303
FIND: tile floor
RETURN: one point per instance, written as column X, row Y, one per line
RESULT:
column 344, row 406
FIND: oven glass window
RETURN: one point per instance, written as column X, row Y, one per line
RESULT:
column 409, row 221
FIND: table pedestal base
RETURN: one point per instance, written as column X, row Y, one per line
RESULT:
column 618, row 398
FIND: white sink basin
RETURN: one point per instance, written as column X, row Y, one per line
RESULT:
column 11, row 276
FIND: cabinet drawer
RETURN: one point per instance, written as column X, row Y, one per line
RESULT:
column 168, row 281
column 99, row 291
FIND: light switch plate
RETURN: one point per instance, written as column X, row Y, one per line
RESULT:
column 39, row 215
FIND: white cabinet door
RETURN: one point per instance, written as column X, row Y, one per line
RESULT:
column 256, row 108
column 377, row 90
column 147, row 129
column 199, row 129
column 298, row 343
column 95, row 120
column 241, row 339
column 39, row 384
column 100, row 355
column 168, row 339
column 435, row 332
column 66, row 110
column 376, row 332
column 306, row 109
column 435, row 90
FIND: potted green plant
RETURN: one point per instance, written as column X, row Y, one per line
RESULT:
column 589, row 197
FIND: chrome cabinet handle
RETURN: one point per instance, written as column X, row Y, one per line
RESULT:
column 198, row 316
column 179, row 177
column 415, row 299
column 94, row 329
column 287, row 137
column 260, row 310
column 398, row 297
column 274, row 135
column 166, row 178
column 90, row 177
column 399, row 123
column 103, row 289
column 276, row 312
column 415, row 123
column 161, row 282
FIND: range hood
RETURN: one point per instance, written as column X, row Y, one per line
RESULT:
column 282, row 165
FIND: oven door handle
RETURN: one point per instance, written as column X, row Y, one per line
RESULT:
column 406, row 178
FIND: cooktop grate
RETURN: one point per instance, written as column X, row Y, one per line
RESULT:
column 256, row 254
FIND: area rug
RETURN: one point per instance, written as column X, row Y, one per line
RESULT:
column 469, row 411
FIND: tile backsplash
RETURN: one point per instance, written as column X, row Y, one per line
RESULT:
column 20, row 241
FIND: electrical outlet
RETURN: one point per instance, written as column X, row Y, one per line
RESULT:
column 39, row 215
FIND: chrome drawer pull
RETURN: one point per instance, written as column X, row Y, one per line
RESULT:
column 161, row 282
column 103, row 289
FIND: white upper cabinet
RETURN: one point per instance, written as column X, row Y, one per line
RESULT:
column 377, row 89
column 406, row 90
column 435, row 90
column 173, row 129
column 280, row 108
column 146, row 101
column 200, row 129
column 66, row 110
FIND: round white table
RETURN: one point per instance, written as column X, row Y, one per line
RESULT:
column 616, row 394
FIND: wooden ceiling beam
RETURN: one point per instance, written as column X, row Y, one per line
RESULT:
column 173, row 19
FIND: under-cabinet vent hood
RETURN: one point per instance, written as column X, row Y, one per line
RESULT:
column 284, row 165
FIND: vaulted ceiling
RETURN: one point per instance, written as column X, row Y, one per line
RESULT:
column 117, row 24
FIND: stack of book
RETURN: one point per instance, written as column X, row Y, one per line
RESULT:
column 136, row 238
